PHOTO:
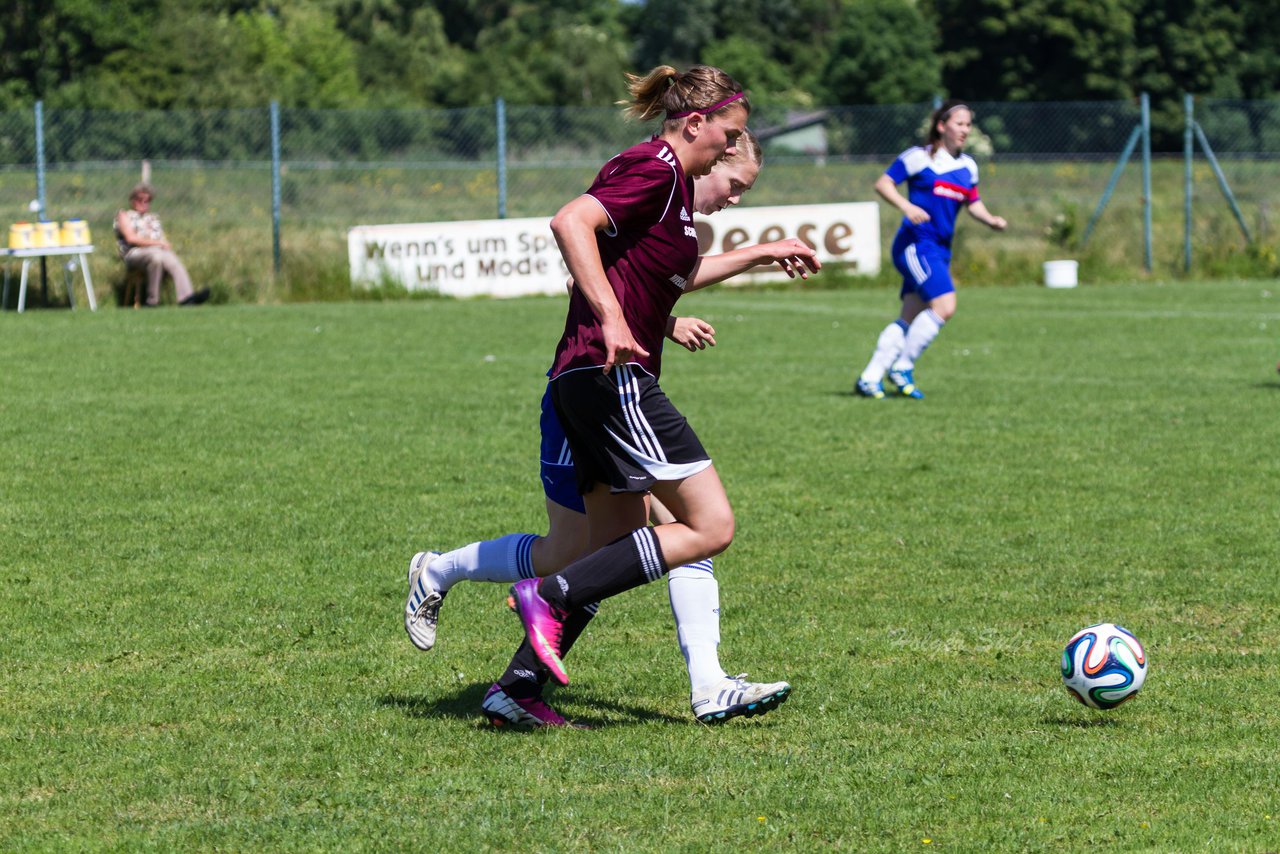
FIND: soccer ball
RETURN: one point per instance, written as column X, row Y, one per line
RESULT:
column 1104, row 665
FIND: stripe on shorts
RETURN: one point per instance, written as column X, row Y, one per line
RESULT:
column 637, row 425
column 919, row 267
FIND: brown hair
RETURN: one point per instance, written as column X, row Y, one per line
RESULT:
column 142, row 189
column 941, row 114
column 665, row 91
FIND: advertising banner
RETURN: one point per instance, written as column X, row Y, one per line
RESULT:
column 515, row 257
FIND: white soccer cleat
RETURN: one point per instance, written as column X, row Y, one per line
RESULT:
column 734, row 696
column 504, row 710
column 422, row 608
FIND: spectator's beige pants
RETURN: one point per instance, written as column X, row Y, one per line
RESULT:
column 157, row 262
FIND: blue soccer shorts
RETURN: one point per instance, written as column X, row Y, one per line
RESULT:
column 925, row 268
column 559, row 481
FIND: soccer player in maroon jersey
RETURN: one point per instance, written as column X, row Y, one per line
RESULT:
column 693, row 590
column 631, row 248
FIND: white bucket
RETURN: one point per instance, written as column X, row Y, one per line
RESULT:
column 1060, row 274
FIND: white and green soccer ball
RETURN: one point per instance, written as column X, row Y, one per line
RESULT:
column 1104, row 665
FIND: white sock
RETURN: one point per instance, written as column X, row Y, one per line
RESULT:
column 504, row 559
column 921, row 334
column 695, row 603
column 888, row 346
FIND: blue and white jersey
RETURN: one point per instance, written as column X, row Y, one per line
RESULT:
column 940, row 184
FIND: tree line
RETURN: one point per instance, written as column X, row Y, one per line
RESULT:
column 181, row 54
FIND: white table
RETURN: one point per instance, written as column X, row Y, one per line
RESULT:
column 48, row 252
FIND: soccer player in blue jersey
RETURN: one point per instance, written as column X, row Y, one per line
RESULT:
column 940, row 180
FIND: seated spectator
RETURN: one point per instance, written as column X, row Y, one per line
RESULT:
column 142, row 245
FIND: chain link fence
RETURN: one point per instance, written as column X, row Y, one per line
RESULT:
column 1043, row 166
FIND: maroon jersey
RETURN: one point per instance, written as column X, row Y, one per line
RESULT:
column 648, row 252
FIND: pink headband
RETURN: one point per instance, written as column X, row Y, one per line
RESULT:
column 706, row 111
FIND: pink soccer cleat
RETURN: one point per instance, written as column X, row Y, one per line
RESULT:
column 543, row 625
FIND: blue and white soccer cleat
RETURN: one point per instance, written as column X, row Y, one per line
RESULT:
column 422, row 608
column 862, row 388
column 906, row 383
column 734, row 696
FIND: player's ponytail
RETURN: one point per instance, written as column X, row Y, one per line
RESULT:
column 648, row 92
column 666, row 92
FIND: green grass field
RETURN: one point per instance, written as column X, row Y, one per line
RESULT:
column 206, row 518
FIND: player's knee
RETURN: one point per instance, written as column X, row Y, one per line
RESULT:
column 717, row 532
column 944, row 305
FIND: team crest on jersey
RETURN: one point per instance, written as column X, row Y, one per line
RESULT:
column 684, row 214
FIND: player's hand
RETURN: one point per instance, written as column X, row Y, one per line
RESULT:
column 795, row 257
column 620, row 346
column 693, row 333
column 998, row 223
column 917, row 214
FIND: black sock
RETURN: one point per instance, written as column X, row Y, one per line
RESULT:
column 574, row 625
column 627, row 562
column 524, row 675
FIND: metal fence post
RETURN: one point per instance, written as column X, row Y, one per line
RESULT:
column 502, row 158
column 1146, row 181
column 40, row 199
column 1222, row 182
column 275, row 185
column 1188, row 152
column 40, row 155
column 1129, row 145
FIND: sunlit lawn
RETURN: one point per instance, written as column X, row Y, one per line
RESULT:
column 206, row 515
